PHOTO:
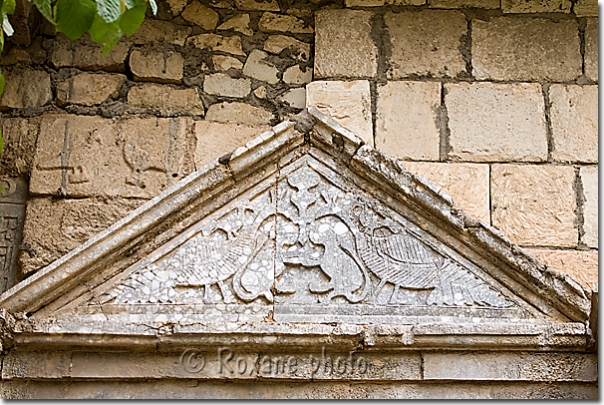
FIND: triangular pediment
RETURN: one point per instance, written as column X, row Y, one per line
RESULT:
column 304, row 224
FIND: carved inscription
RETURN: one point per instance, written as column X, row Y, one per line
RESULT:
column 12, row 212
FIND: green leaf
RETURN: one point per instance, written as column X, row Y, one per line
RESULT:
column 74, row 17
column 153, row 6
column 6, row 27
column 45, row 9
column 110, row 10
column 105, row 33
column 2, row 83
column 133, row 18
column 8, row 6
column 1, row 41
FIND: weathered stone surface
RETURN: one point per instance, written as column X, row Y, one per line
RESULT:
column 408, row 129
column 574, row 121
column 591, row 49
column 33, row 54
column 377, row 3
column 231, row 137
column 160, row 32
column 223, row 63
column 197, row 14
column 166, row 100
column 535, row 205
column 490, row 4
column 589, row 182
column 89, row 89
column 56, row 226
column 221, row 84
column 12, row 215
column 297, row 49
column 496, row 122
column 176, row 6
column 253, row 5
column 26, row 87
column 586, row 8
column 270, row 22
column 215, row 42
column 239, row 113
column 260, row 92
column 294, row 75
column 505, row 48
column 466, row 183
column 581, row 265
column 157, row 66
column 542, row 6
column 356, row 53
column 86, row 55
column 296, row 98
column 426, row 43
column 257, row 67
column 19, row 136
column 239, row 23
column 349, row 103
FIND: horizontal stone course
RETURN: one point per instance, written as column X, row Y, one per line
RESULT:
column 223, row 85
column 25, row 88
column 166, row 100
column 581, row 265
column 86, row 55
column 89, row 89
column 156, row 66
column 239, row 113
column 541, row 6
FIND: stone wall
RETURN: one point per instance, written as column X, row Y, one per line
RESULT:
column 496, row 102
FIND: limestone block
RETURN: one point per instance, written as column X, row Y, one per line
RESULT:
column 89, row 89
column 589, row 181
column 223, row 63
column 260, row 92
column 239, row 113
column 535, row 205
column 466, row 183
column 586, row 8
column 542, row 6
column 297, row 49
column 377, row 3
column 239, row 23
column 496, row 122
column 19, row 136
column 34, row 54
column 26, row 87
column 355, row 55
column 219, row 43
column 406, row 122
column 270, row 22
column 253, row 5
column 581, row 265
column 258, row 68
column 296, row 98
column 231, row 137
column 166, row 100
column 294, row 75
column 197, row 14
column 160, row 32
column 86, row 55
column 176, row 6
column 591, row 49
column 53, row 227
column 349, row 103
column 151, row 65
column 574, row 121
column 426, row 43
column 489, row 4
column 221, row 84
column 505, row 48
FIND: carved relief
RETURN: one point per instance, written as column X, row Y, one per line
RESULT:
column 12, row 213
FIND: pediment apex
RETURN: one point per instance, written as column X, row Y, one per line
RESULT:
column 321, row 141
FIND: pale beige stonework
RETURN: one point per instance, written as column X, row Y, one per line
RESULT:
column 526, row 49
column 270, row 22
column 166, row 100
column 295, row 75
column 231, row 137
column 591, row 49
column 86, row 55
column 349, row 103
column 406, row 121
column 378, row 3
column 223, row 63
column 492, row 122
column 296, row 98
column 355, row 55
column 221, row 84
column 239, row 23
column 541, row 6
column 257, row 67
column 586, row 8
column 157, row 32
column 197, row 14
column 176, row 6
column 252, row 5
column 535, row 205
column 239, row 113
column 490, row 4
column 574, row 122
column 89, row 89
column 26, row 87
column 151, row 65
column 278, row 43
column 589, row 182
column 466, row 183
column 426, row 43
column 219, row 43
column 581, row 265
column 19, row 136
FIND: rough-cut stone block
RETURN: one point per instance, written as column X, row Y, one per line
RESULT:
column 253, row 5
column 258, row 68
column 219, row 43
column 343, row 44
column 589, row 181
column 586, row 8
column 223, row 63
column 505, row 48
column 89, row 89
column 270, row 22
column 221, row 84
column 166, row 100
column 466, row 183
column 294, row 75
column 34, row 54
column 574, row 121
column 296, row 98
column 378, row 3
column 426, row 43
column 85, row 54
column 176, row 6
column 239, row 23
column 490, row 4
column 591, row 49
column 541, row 6
column 230, row 137
column 151, row 65
column 496, row 122
column 349, row 103
column 581, row 265
column 297, row 49
column 239, row 113
column 25, row 88
column 160, row 32
column 197, row 14
column 535, row 205
column 19, row 136
column 406, row 123
column 53, row 227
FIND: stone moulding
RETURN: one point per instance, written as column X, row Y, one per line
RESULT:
column 303, row 240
